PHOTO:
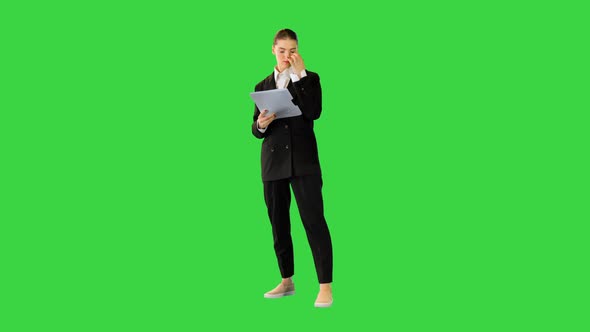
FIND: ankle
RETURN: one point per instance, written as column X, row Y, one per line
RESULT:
column 287, row 281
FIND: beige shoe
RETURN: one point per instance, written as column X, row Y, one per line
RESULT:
column 324, row 299
column 280, row 291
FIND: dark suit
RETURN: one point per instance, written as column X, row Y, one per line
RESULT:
column 289, row 157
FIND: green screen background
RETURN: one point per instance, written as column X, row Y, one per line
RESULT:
column 453, row 143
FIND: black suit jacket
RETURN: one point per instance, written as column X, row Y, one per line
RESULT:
column 289, row 147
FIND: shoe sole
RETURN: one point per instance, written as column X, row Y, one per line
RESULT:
column 323, row 305
column 276, row 296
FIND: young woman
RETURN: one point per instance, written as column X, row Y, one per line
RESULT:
column 290, row 160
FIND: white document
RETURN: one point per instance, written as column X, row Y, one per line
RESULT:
column 276, row 101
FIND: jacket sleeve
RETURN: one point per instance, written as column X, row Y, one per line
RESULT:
column 309, row 96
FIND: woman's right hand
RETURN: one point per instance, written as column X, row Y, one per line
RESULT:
column 264, row 120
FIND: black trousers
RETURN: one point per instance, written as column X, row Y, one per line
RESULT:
column 308, row 193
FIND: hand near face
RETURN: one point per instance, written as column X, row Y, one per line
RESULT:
column 297, row 63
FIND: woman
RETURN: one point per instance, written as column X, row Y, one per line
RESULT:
column 290, row 160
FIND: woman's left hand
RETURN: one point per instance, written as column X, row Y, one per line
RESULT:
column 297, row 63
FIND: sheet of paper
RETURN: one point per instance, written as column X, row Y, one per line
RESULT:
column 278, row 101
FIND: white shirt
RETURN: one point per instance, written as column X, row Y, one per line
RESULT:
column 282, row 80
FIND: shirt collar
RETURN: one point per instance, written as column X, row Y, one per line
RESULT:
column 287, row 72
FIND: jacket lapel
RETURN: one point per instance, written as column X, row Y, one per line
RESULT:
column 270, row 82
column 291, row 89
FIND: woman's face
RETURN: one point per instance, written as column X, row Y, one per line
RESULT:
column 283, row 50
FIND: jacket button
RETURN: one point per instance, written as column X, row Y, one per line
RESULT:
column 272, row 150
column 286, row 147
column 286, row 126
